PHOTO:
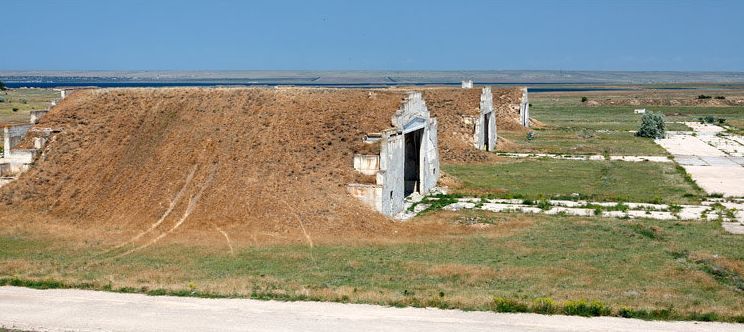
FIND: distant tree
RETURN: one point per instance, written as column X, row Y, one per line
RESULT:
column 2, row 86
column 584, row 99
column 652, row 125
column 721, row 97
column 704, row 97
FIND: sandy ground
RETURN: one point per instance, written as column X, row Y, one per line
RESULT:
column 80, row 310
column 714, row 162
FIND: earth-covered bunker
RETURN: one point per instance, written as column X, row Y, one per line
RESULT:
column 261, row 159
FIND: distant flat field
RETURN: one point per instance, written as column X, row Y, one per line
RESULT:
column 23, row 101
column 575, row 127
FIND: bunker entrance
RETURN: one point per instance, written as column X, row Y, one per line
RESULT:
column 412, row 166
column 486, row 133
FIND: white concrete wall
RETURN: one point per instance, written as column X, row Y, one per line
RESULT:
column 388, row 194
column 37, row 115
column 12, row 136
column 524, row 109
column 486, row 107
column 367, row 164
column 467, row 84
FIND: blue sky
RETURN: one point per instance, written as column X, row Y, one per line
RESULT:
column 372, row 35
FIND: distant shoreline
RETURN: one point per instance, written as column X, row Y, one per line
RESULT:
column 367, row 78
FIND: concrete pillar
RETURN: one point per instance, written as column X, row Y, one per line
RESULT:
column 524, row 109
column 6, row 142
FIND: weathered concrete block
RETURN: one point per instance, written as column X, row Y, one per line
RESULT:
column 12, row 136
column 369, row 194
column 37, row 115
column 367, row 164
column 467, row 84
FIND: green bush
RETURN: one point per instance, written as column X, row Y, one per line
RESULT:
column 652, row 125
column 544, row 205
column 721, row 97
column 15, row 109
column 544, row 305
column 703, row 97
column 584, row 99
column 501, row 304
column 586, row 309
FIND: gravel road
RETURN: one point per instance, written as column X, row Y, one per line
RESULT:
column 82, row 310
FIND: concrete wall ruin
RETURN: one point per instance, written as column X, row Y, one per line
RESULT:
column 484, row 135
column 467, row 84
column 15, row 161
column 407, row 149
column 13, row 135
column 524, row 109
column 36, row 115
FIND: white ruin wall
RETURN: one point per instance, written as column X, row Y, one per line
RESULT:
column 487, row 119
column 524, row 109
column 11, row 137
column 388, row 194
column 36, row 115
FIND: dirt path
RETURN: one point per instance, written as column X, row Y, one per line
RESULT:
column 80, row 310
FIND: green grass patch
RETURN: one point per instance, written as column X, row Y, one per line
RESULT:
column 583, row 141
column 533, row 179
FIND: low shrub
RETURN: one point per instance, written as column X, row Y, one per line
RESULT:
column 704, row 97
column 652, row 126
column 584, row 99
column 544, row 205
column 586, row 309
column 544, row 305
column 501, row 304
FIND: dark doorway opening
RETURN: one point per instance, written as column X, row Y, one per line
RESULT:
column 412, row 166
column 486, row 131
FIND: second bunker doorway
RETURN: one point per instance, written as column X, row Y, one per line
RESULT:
column 412, row 166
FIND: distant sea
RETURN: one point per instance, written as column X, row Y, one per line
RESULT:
column 554, row 87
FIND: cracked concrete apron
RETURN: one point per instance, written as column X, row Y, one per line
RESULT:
column 714, row 159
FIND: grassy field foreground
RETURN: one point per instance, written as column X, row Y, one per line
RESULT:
column 504, row 262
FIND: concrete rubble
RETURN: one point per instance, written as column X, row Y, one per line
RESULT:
column 729, row 212
column 595, row 157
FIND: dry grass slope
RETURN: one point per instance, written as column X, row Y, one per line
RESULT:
column 264, row 159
